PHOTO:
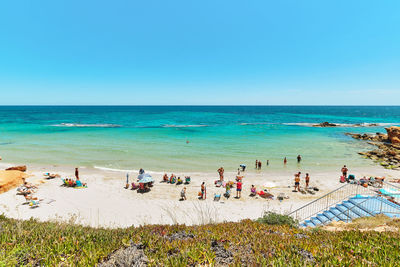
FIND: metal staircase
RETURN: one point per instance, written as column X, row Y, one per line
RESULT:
column 349, row 202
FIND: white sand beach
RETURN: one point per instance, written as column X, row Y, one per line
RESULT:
column 105, row 203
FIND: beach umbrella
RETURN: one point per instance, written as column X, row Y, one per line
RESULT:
column 143, row 175
column 147, row 179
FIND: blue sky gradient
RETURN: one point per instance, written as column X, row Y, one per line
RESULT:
column 200, row 52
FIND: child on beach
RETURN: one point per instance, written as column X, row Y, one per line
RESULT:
column 238, row 189
column 183, row 194
column 307, row 180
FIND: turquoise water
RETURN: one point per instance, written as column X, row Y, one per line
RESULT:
column 155, row 137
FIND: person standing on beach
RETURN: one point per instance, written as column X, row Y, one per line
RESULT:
column 183, row 194
column 307, row 180
column 203, row 191
column 221, row 173
column 284, row 161
column 267, row 162
column 298, row 159
column 259, row 165
column 297, row 182
column 344, row 171
column 256, row 163
column 238, row 189
column 77, row 173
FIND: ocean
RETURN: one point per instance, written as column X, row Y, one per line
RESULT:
column 189, row 138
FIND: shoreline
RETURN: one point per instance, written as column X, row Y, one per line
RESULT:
column 105, row 203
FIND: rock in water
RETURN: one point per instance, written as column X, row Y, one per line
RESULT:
column 17, row 168
column 393, row 134
column 325, row 124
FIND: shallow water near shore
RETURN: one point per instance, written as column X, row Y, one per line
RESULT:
column 185, row 138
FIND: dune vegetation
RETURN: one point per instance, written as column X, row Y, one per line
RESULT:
column 34, row 243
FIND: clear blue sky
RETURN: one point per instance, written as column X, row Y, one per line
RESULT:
column 200, row 52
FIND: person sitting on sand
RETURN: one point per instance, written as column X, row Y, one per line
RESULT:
column 28, row 185
column 51, row 175
column 179, row 181
column 171, row 178
column 29, row 198
column 141, row 171
column 183, row 194
column 239, row 189
column 187, row 179
column 307, row 180
column 253, row 191
column 165, row 178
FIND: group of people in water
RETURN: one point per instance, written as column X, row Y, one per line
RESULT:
column 258, row 163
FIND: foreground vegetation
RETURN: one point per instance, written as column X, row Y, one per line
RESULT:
column 245, row 243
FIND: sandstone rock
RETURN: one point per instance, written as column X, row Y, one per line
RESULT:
column 393, row 134
column 10, row 179
column 17, row 168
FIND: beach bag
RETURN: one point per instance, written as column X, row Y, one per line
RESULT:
column 342, row 179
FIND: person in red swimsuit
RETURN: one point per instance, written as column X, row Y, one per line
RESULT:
column 238, row 189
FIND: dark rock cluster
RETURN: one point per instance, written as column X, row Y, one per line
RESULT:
column 386, row 154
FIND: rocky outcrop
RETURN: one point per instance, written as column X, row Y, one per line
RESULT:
column 17, row 168
column 386, row 154
column 393, row 134
column 10, row 179
column 325, row 124
column 378, row 137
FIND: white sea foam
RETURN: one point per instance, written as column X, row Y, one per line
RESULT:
column 255, row 123
column 184, row 126
column 105, row 125
column 124, row 170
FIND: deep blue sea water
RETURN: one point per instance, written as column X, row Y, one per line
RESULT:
column 190, row 138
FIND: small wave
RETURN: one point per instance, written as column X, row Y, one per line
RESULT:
column 255, row 123
column 184, row 126
column 87, row 125
column 124, row 170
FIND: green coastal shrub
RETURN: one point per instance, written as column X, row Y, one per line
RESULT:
column 272, row 218
column 244, row 243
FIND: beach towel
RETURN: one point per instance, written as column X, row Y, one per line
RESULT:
column 390, row 192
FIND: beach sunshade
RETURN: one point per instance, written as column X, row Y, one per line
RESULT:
column 143, row 175
column 147, row 179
